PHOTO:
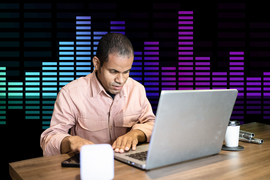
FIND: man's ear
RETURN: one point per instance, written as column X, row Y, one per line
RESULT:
column 96, row 62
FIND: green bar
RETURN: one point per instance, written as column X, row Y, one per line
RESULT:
column 32, row 73
column 32, row 117
column 2, row 83
column 32, row 107
column 2, row 73
column 32, row 78
column 32, row 83
column 3, row 117
column 2, row 89
column 46, row 122
column 2, row 79
column 3, row 102
column 15, row 83
column 47, row 107
column 45, row 127
column 46, row 117
column 32, row 112
column 15, row 102
column 3, row 122
column 48, row 102
column 31, row 94
column 32, row 102
column 15, row 107
column 2, row 68
column 15, row 89
column 32, row 89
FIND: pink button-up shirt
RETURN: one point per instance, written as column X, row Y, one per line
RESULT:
column 84, row 107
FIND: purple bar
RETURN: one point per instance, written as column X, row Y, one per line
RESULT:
column 185, row 37
column 202, row 83
column 151, row 83
column 137, row 58
column 202, row 79
column 137, row 53
column 238, row 88
column 185, row 73
column 185, row 22
column 254, row 94
column 151, row 48
column 118, row 27
column 236, row 79
column 254, row 89
column 151, row 63
column 266, row 94
column 219, row 83
column 151, row 79
column 185, row 33
column 254, row 79
column 168, row 73
column 219, row 79
column 137, row 63
column 202, row 88
column 202, row 68
column 151, row 43
column 219, row 73
column 202, row 73
column 236, row 63
column 202, row 58
column 236, row 53
column 236, row 84
column 266, row 79
column 83, row 22
column 169, row 68
column 219, row 88
column 168, row 88
column 185, row 28
column 236, row 58
column 266, row 89
column 168, row 79
column 266, row 83
column 151, row 89
column 185, row 43
column 254, row 83
column 151, row 73
column 185, row 63
column 185, row 48
column 151, row 68
column 168, row 83
column 185, row 17
column 185, row 53
column 185, row 79
column 266, row 73
column 121, row 32
column 151, row 58
column 185, row 58
column 237, row 68
column 151, row 53
column 185, row 83
column 236, row 73
column 202, row 63
column 117, row 22
column 254, row 112
column 185, row 12
column 83, row 17
column 185, row 68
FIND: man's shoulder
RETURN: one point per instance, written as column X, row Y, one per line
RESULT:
column 131, row 83
column 77, row 83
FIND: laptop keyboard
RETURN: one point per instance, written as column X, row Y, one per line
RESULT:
column 139, row 156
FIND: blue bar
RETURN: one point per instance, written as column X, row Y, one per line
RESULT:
column 66, row 43
column 49, row 63
column 136, row 68
column 83, row 27
column 66, row 53
column 82, row 73
column 100, row 32
column 49, row 79
column 49, row 89
column 66, row 68
column 83, row 58
column 83, row 22
column 66, row 73
column 83, row 48
column 66, row 78
column 83, row 33
column 49, row 68
column 83, row 43
column 83, row 53
column 32, row 94
column 66, row 48
column 66, row 63
column 32, row 73
column 32, row 89
column 66, row 58
column 83, row 68
column 83, row 63
column 49, row 94
column 32, row 83
column 63, row 83
column 135, row 73
column 49, row 83
column 32, row 78
column 83, row 17
column 49, row 73
column 83, row 37
column 97, row 37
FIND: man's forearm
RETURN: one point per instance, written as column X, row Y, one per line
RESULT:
column 65, row 145
column 73, row 144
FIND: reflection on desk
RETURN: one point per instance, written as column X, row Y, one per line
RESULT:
column 251, row 163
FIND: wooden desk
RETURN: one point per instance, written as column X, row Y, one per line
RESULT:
column 252, row 163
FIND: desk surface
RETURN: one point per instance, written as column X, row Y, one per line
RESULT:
column 252, row 163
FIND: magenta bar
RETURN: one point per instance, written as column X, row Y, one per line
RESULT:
column 236, row 79
column 266, row 79
column 254, row 83
column 185, row 17
column 168, row 68
column 168, row 79
column 185, row 63
column 185, row 73
column 266, row 73
column 151, row 43
column 185, row 53
column 202, row 88
column 202, row 58
column 185, row 37
column 236, row 73
column 185, row 28
column 185, row 33
column 185, row 22
column 185, row 12
column 151, row 48
column 202, row 83
column 236, row 58
column 185, row 48
column 254, row 94
column 236, row 53
column 254, row 89
column 254, row 79
column 202, row 63
column 151, row 53
column 185, row 58
column 117, row 22
column 185, row 83
column 151, row 68
column 168, row 83
column 185, row 88
column 185, row 43
column 236, row 63
column 185, row 79
column 219, row 79
column 237, row 68
column 202, row 68
column 151, row 63
column 168, row 73
column 219, row 83
column 202, row 73
column 151, row 58
column 202, row 79
column 185, row 68
column 219, row 73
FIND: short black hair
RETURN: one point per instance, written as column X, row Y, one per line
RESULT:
column 113, row 43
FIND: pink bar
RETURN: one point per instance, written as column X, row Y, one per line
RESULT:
column 185, row 12
column 185, row 33
column 185, row 37
column 185, row 58
column 236, row 53
column 185, row 63
column 185, row 27
column 185, row 17
column 185, row 22
column 202, row 58
column 185, row 48
column 185, row 68
column 185, row 73
column 185, row 53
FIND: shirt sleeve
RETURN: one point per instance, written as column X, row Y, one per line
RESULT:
column 62, row 120
column 147, row 118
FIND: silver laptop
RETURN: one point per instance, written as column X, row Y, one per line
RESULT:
column 189, row 124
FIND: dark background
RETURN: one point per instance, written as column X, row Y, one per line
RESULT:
column 30, row 34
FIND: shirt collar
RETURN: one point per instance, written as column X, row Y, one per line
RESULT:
column 97, row 88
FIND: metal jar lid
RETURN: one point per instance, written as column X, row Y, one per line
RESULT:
column 234, row 123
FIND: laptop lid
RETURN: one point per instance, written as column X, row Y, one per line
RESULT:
column 189, row 124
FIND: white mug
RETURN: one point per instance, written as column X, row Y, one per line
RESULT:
column 232, row 134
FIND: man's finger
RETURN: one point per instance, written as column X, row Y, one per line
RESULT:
column 134, row 144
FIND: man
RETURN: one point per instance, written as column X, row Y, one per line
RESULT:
column 105, row 106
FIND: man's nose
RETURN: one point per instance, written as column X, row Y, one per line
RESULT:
column 120, row 78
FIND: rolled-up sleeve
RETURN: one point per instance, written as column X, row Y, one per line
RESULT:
column 62, row 120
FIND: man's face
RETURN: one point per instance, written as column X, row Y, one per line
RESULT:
column 114, row 73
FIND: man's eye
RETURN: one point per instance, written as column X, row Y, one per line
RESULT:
column 113, row 71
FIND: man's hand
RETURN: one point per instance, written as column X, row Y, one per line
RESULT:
column 73, row 144
column 130, row 139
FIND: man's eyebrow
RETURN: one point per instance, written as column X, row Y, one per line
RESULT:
column 119, row 71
